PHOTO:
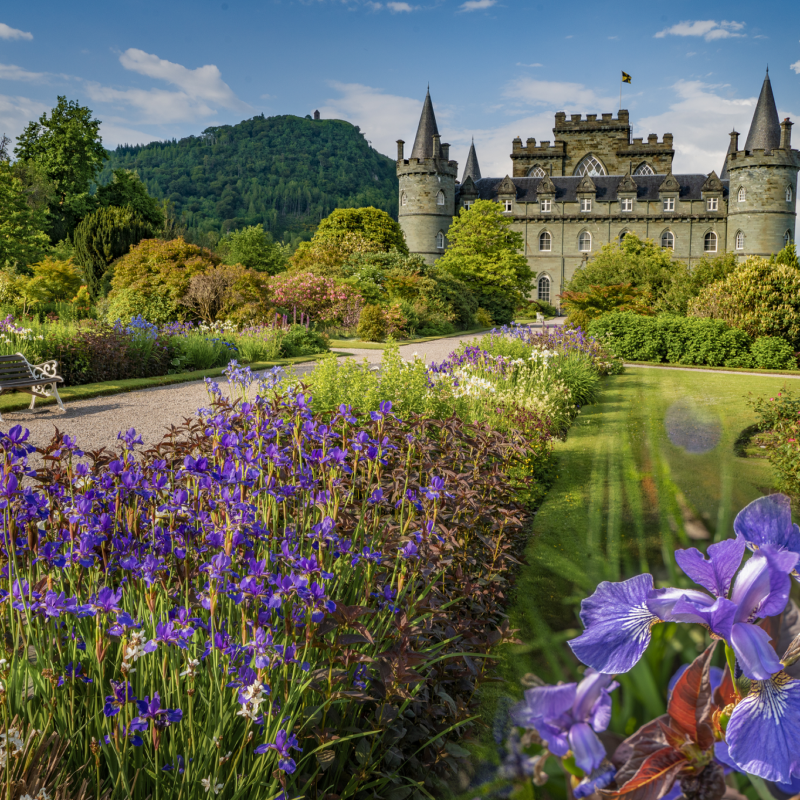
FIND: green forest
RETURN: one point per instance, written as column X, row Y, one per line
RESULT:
column 284, row 172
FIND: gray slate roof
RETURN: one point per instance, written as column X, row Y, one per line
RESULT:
column 765, row 129
column 423, row 143
column 566, row 187
column 472, row 169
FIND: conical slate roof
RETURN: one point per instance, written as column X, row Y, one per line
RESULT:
column 472, row 170
column 765, row 129
column 423, row 144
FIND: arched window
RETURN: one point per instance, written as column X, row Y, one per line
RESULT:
column 710, row 242
column 440, row 240
column 644, row 169
column 622, row 236
column 543, row 289
column 589, row 165
column 788, row 194
column 742, row 194
column 585, row 242
column 536, row 172
column 440, row 199
column 403, row 199
column 787, row 238
column 545, row 241
column 740, row 240
column 668, row 240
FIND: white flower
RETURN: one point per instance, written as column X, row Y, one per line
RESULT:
column 191, row 668
column 209, row 786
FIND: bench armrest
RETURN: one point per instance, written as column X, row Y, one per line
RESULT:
column 47, row 369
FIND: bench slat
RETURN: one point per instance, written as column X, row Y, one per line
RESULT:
column 29, row 382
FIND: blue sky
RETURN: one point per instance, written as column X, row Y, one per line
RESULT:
column 497, row 68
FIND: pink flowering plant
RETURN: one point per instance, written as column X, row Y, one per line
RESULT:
column 325, row 300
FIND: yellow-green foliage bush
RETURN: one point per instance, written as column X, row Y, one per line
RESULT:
column 371, row 324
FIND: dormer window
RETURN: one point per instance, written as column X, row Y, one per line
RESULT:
column 440, row 199
column 508, row 206
column 788, row 194
column 545, row 206
column 467, row 205
column 586, row 204
column 742, row 196
column 712, row 204
column 669, row 204
column 440, row 241
column 626, row 204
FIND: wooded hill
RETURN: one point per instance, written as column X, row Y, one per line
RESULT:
column 285, row 172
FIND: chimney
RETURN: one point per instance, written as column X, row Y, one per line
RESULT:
column 437, row 145
column 786, row 134
column 734, row 145
column 446, row 152
column 400, row 144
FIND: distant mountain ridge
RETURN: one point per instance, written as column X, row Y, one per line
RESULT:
column 285, row 172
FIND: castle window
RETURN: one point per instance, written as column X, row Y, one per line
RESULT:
column 467, row 205
column 440, row 241
column 536, row 172
column 644, row 169
column 545, row 206
column 585, row 242
column 742, row 196
column 543, row 288
column 668, row 240
column 545, row 242
column 739, row 240
column 589, row 165
column 586, row 204
column 787, row 238
column 440, row 199
column 403, row 199
column 710, row 242
column 712, row 204
column 626, row 204
column 669, row 204
column 622, row 236
column 788, row 194
column 508, row 206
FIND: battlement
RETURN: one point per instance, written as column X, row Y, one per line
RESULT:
column 576, row 123
column 409, row 166
column 741, row 159
column 638, row 145
column 532, row 149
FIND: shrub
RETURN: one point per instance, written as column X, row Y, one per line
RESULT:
column 299, row 340
column 372, row 324
column 254, row 248
column 761, row 297
column 483, row 319
column 151, row 280
column 126, row 190
column 324, row 300
column 673, row 339
column 772, row 352
column 103, row 237
column 583, row 307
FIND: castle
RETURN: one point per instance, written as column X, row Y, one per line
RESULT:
column 593, row 184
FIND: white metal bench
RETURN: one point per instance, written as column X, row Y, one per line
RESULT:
column 38, row 380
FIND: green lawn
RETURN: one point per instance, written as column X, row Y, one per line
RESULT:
column 649, row 468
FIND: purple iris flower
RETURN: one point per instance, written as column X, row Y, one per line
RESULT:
column 283, row 743
column 768, row 521
column 122, row 693
column 409, row 550
column 569, row 717
column 106, row 601
column 151, row 710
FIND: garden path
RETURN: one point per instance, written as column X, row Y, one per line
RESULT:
column 95, row 422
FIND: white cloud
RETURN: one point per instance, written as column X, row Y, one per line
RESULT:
column 7, row 32
column 477, row 5
column 529, row 65
column 557, row 93
column 795, row 67
column 383, row 118
column 399, row 7
column 11, row 72
column 709, row 29
column 116, row 132
column 201, row 91
column 17, row 112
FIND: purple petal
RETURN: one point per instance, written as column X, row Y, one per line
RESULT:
column 589, row 691
column 661, row 602
column 598, row 780
column 716, row 572
column 762, row 587
column 722, row 755
column 755, row 654
column 618, row 625
column 768, row 520
column 601, row 713
column 554, row 736
column 717, row 617
column 586, row 747
column 763, row 734
column 550, row 702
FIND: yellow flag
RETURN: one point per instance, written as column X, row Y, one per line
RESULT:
column 626, row 78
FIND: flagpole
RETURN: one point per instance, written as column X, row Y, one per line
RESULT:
column 620, row 93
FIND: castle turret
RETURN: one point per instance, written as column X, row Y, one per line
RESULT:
column 472, row 169
column 427, row 188
column 763, row 183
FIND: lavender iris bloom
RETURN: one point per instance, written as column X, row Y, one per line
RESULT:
column 283, row 743
column 768, row 521
column 569, row 717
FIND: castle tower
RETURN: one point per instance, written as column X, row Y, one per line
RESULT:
column 427, row 188
column 763, row 183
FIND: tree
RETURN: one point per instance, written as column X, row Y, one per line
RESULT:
column 67, row 147
column 254, row 248
column 22, row 236
column 127, row 190
column 484, row 253
column 372, row 223
column 327, row 256
column 103, row 237
column 583, row 307
column 52, row 280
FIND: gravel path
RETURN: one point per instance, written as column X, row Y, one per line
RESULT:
column 95, row 423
